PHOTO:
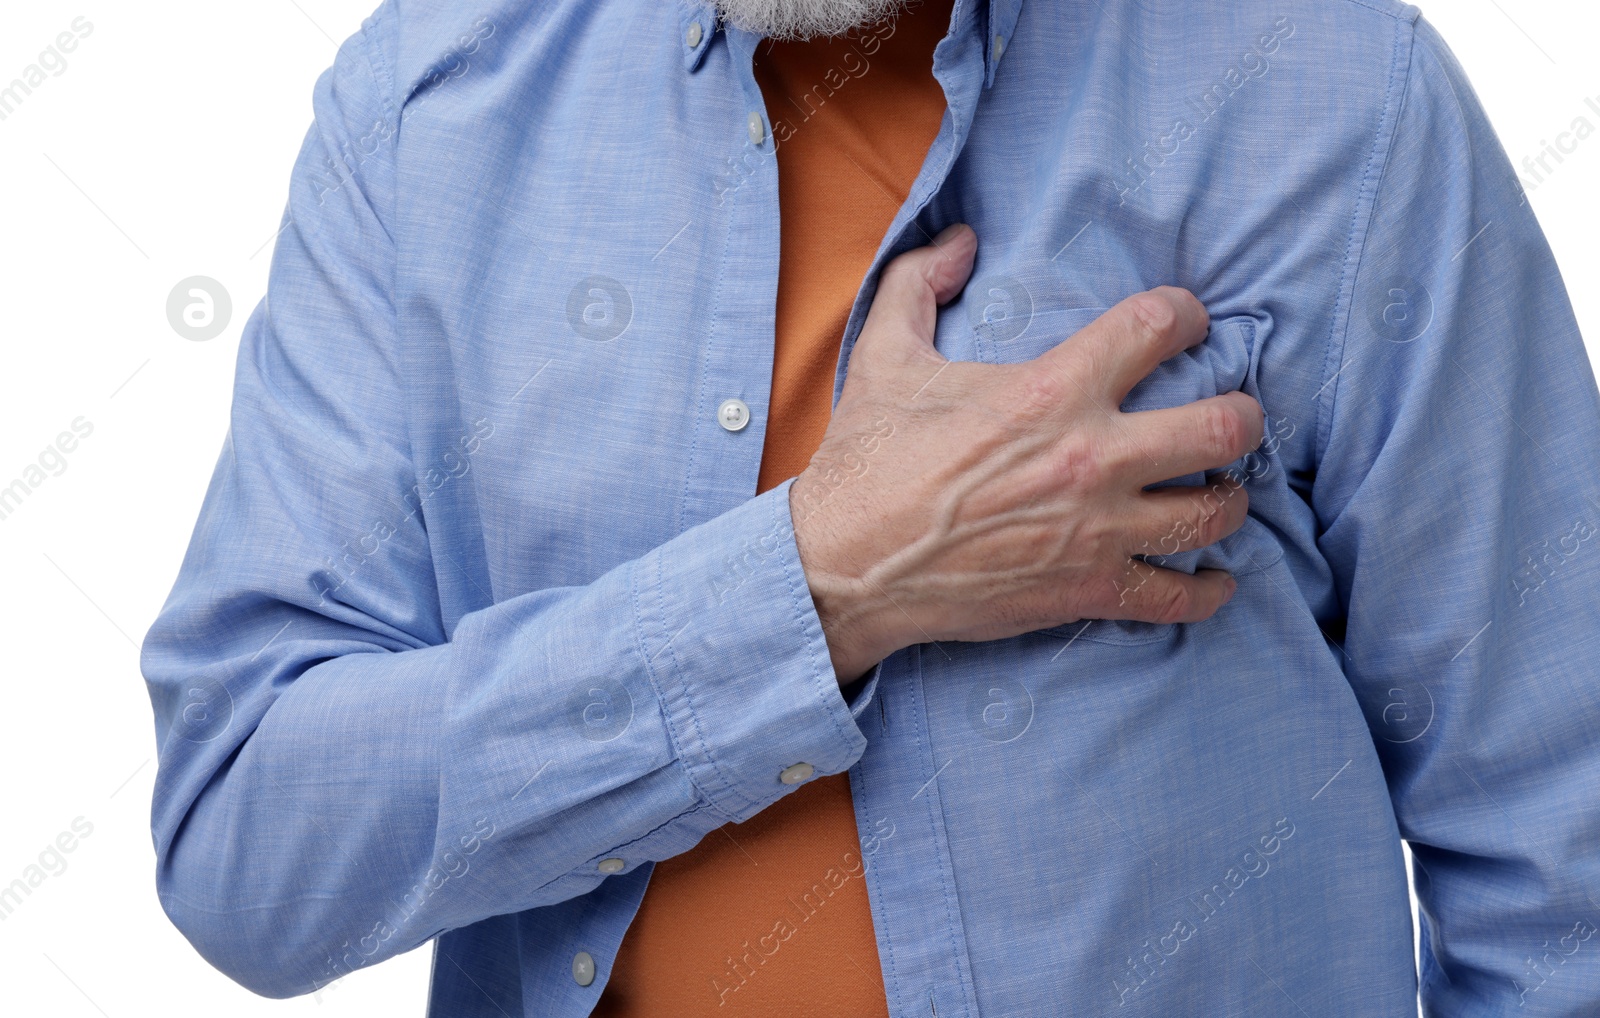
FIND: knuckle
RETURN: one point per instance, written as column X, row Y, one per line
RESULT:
column 1172, row 604
column 1181, row 297
column 1038, row 391
column 1154, row 314
column 1080, row 466
column 1084, row 370
column 1252, row 421
column 1221, row 429
column 1224, row 521
column 905, row 261
column 899, row 272
column 1111, row 597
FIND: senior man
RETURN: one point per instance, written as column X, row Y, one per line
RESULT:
column 669, row 613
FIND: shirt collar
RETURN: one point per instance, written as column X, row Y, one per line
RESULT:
column 697, row 23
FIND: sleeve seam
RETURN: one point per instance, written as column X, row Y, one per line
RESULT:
column 383, row 84
column 1361, row 219
column 382, row 78
column 1387, row 11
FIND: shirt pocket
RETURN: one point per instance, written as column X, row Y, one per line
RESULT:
column 1224, row 362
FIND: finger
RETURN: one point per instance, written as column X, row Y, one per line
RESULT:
column 1173, row 520
column 1205, row 435
column 1111, row 354
column 914, row 284
column 1166, row 596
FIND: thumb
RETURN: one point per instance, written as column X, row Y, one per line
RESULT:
column 915, row 283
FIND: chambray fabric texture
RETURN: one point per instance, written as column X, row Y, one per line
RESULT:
column 480, row 594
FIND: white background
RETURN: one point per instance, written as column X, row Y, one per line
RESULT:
column 161, row 152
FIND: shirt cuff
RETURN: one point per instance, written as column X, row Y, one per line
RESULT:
column 861, row 698
column 733, row 645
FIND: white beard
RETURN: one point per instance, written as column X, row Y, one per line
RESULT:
column 805, row 19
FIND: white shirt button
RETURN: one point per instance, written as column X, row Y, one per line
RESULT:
column 758, row 130
column 582, row 968
column 999, row 46
column 612, row 865
column 692, row 36
column 796, row 773
column 733, row 414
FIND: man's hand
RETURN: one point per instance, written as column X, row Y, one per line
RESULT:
column 965, row 501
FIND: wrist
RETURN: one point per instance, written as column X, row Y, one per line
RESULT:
column 856, row 618
column 849, row 624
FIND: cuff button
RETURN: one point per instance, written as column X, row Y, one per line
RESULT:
column 796, row 773
column 582, row 968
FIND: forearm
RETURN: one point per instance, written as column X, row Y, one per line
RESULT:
column 362, row 800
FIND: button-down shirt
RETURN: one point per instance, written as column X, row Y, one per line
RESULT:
column 482, row 616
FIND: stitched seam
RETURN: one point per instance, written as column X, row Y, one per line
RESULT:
column 575, row 873
column 678, row 751
column 939, row 844
column 701, row 749
column 683, row 506
column 1406, row 13
column 383, row 211
column 1354, row 247
column 953, row 149
column 167, row 896
column 1252, row 348
column 705, row 364
column 817, row 680
column 646, row 836
column 383, row 85
column 859, row 775
column 914, row 688
column 377, row 66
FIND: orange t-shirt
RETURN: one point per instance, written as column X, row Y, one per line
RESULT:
column 770, row 917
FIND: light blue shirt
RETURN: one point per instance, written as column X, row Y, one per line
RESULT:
column 482, row 614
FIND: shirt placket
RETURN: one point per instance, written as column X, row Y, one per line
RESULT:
column 731, row 396
column 911, row 884
column 912, row 890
